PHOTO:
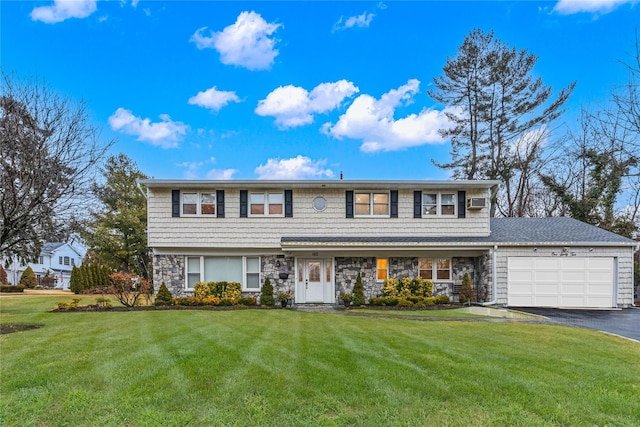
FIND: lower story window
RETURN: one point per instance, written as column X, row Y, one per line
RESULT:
column 383, row 268
column 244, row 270
column 435, row 268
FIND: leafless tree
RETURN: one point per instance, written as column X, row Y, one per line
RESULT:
column 49, row 150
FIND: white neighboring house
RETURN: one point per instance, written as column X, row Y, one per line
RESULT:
column 58, row 258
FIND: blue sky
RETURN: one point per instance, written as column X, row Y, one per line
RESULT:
column 295, row 90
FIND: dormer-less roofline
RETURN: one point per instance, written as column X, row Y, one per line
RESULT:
column 347, row 184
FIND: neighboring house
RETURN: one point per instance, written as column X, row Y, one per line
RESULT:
column 314, row 237
column 56, row 258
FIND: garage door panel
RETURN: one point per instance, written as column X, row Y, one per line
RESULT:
column 560, row 282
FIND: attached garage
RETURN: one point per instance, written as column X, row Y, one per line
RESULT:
column 561, row 282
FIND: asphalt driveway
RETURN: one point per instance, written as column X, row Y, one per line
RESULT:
column 625, row 322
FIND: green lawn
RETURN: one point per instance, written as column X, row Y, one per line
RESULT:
column 284, row 368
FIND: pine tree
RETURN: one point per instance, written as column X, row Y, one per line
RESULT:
column 266, row 295
column 164, row 296
column 28, row 279
column 73, row 281
column 466, row 291
column 358, row 292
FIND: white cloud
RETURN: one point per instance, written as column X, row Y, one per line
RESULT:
column 373, row 122
column 221, row 174
column 192, row 169
column 165, row 134
column 213, row 98
column 568, row 7
column 362, row 21
column 294, row 106
column 530, row 142
column 246, row 43
column 300, row 167
column 63, row 9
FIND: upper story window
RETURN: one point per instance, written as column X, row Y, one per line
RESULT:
column 371, row 204
column 60, row 260
column 41, row 260
column 66, row 260
column 266, row 204
column 438, row 204
column 199, row 203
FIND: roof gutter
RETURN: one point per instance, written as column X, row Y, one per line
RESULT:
column 140, row 187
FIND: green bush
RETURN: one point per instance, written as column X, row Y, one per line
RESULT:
column 28, row 279
column 164, row 296
column 266, row 293
column 247, row 301
column 377, row 301
column 407, row 287
column 442, row 299
column 466, row 291
column 11, row 288
column 405, row 303
column 232, row 290
column 358, row 292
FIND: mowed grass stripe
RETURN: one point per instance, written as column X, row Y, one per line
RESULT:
column 278, row 367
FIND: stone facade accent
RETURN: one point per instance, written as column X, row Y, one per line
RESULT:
column 403, row 267
column 170, row 270
column 269, row 268
column 347, row 270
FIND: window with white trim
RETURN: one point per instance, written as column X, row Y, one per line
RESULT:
column 371, row 204
column 436, row 269
column 241, row 269
column 199, row 203
column 382, row 266
column 266, row 204
column 40, row 260
column 443, row 204
column 66, row 260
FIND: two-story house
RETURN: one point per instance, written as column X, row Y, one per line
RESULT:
column 314, row 237
column 56, row 259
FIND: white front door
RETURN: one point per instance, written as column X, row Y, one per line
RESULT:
column 314, row 281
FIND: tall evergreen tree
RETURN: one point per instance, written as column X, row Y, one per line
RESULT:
column 117, row 233
column 28, row 278
column 493, row 101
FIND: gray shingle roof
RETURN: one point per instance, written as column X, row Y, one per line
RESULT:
column 49, row 247
column 517, row 231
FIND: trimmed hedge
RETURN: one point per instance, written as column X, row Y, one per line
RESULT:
column 11, row 288
column 411, row 301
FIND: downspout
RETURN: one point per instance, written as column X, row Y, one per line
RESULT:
column 493, row 277
column 144, row 193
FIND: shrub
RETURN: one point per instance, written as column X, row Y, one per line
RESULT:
column 231, row 290
column 247, row 301
column 266, row 293
column 211, row 301
column 227, row 302
column 4, row 280
column 377, row 301
column 466, row 291
column 407, row 287
column 391, row 301
column 11, row 288
column 442, row 299
column 164, row 296
column 28, row 279
column 48, row 281
column 201, row 289
column 103, row 302
column 405, row 303
column 69, row 305
column 358, row 292
column 128, row 288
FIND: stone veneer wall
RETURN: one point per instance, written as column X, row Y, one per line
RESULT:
column 268, row 269
column 170, row 270
column 403, row 267
column 347, row 270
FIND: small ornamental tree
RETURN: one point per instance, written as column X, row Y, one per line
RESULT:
column 49, row 280
column 28, row 279
column 466, row 291
column 163, row 296
column 358, row 292
column 128, row 288
column 3, row 276
column 266, row 294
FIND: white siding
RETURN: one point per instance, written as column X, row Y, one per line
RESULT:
column 266, row 232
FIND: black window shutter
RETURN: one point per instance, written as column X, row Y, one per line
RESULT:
column 394, row 204
column 462, row 204
column 288, row 203
column 349, row 204
column 244, row 200
column 417, row 204
column 220, row 203
column 175, row 203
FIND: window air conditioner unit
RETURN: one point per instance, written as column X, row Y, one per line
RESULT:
column 476, row 203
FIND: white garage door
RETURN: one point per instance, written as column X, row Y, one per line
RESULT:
column 560, row 282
